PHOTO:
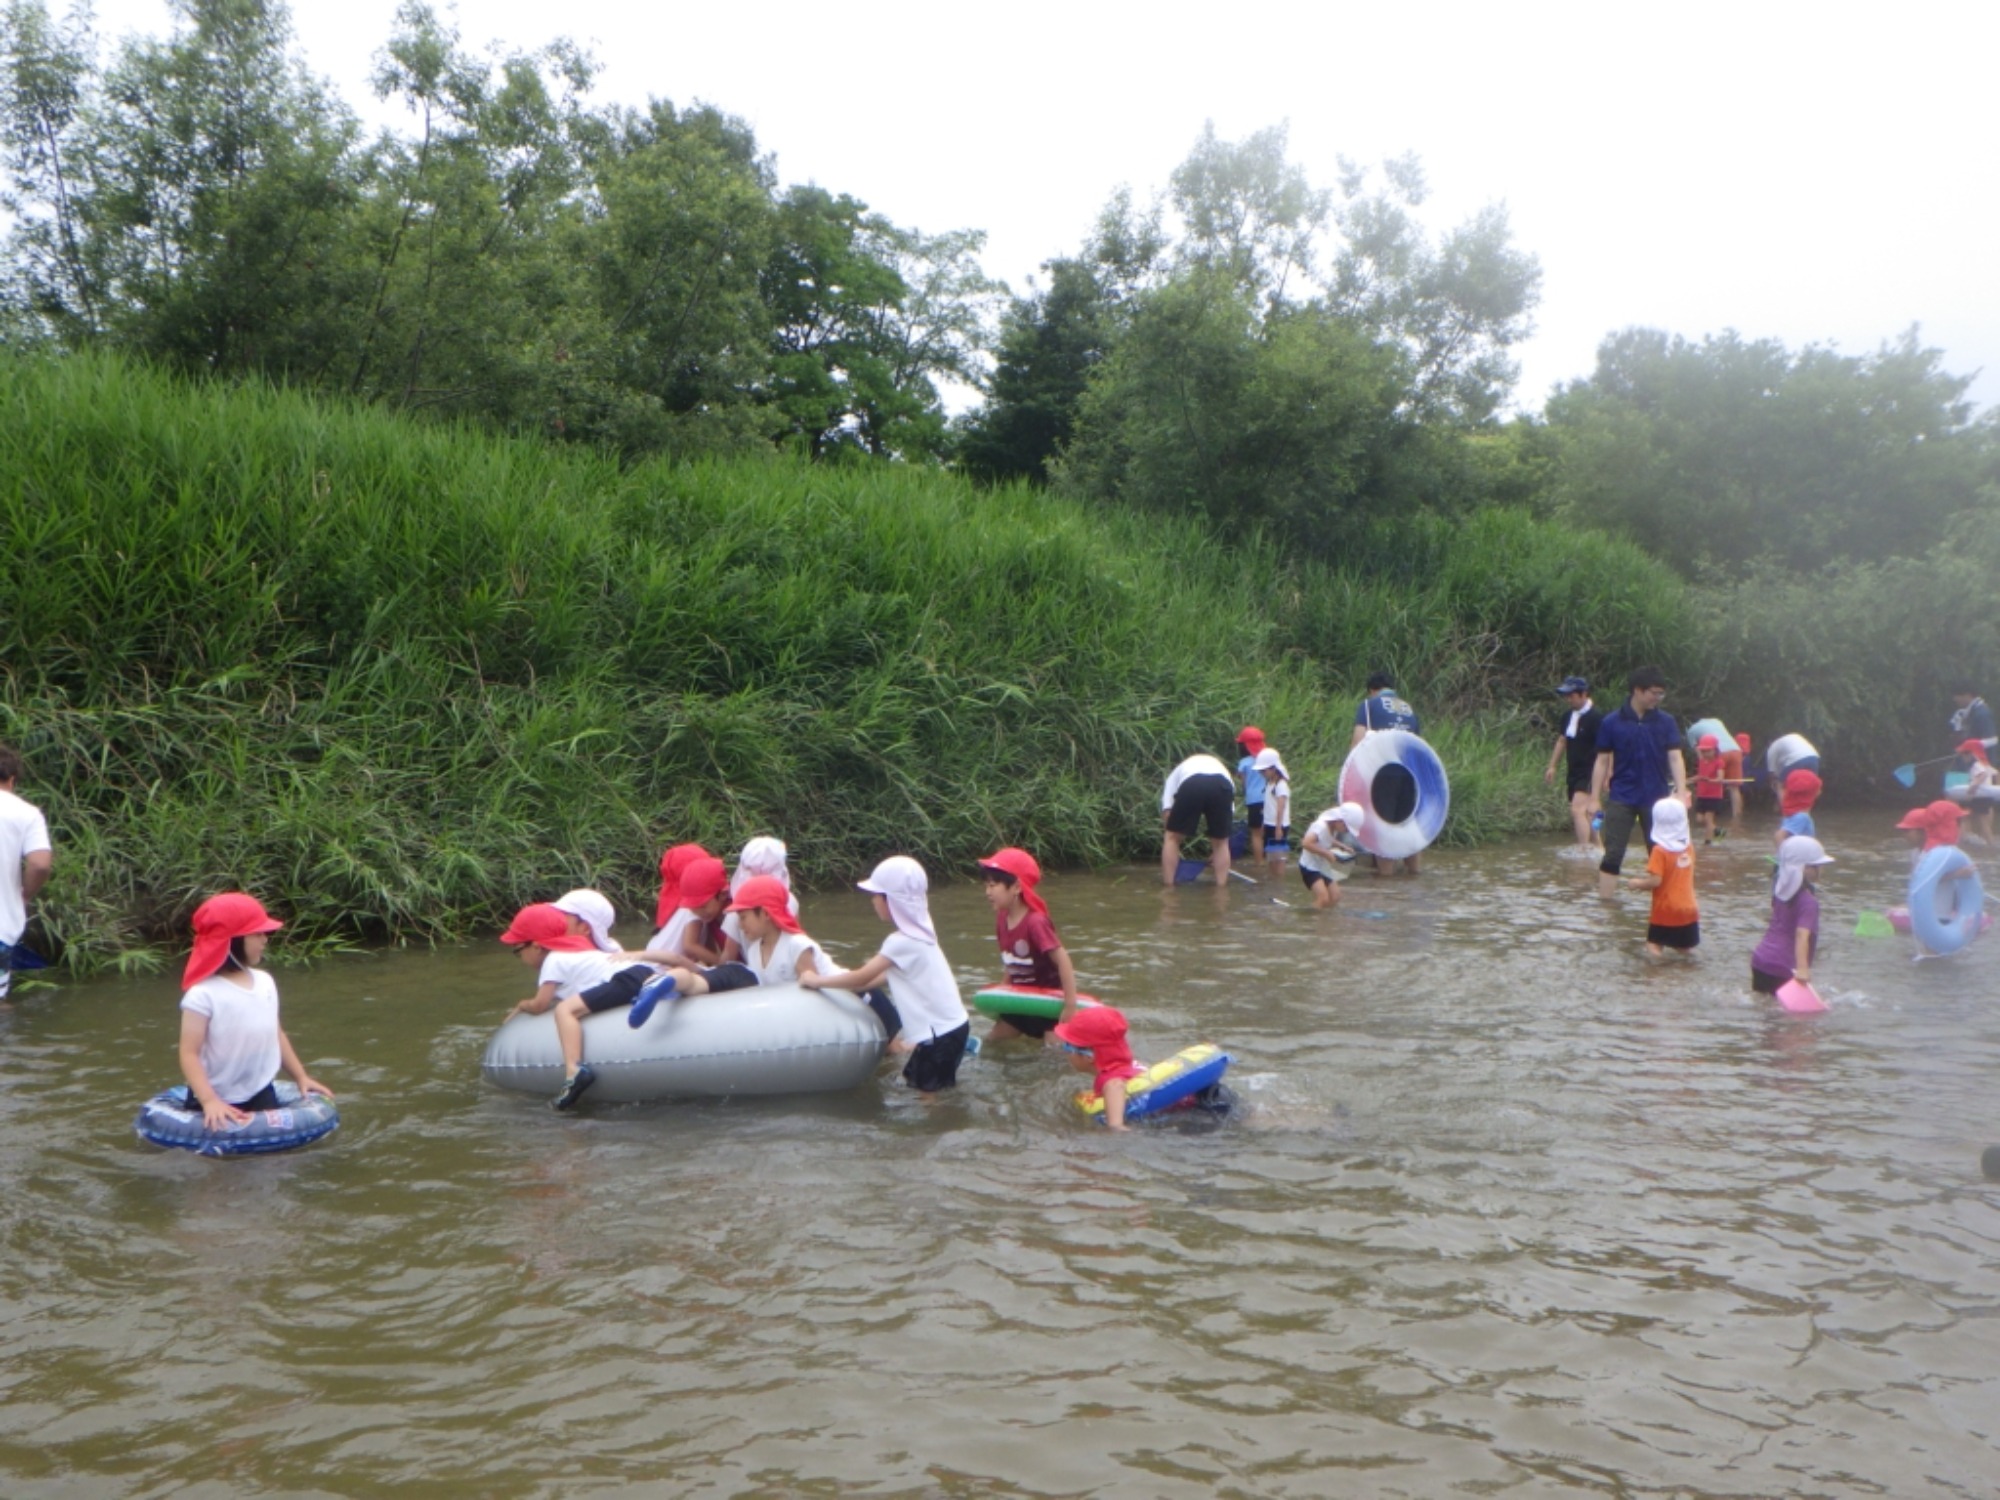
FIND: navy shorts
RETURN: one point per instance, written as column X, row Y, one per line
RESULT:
column 621, row 988
column 1688, row 936
column 934, row 1065
column 1208, row 799
column 1313, row 877
column 1253, row 816
column 1035, row 1026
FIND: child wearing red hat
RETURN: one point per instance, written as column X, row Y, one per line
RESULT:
column 1796, row 800
column 690, row 931
column 578, row 978
column 1982, row 787
column 1250, row 740
column 231, row 1043
column 776, row 950
column 1096, row 1042
column 1030, row 947
column 1710, row 787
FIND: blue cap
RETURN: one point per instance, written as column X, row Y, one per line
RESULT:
column 1574, row 685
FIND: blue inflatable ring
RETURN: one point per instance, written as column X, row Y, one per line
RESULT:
column 1949, row 930
column 166, row 1120
column 1401, row 786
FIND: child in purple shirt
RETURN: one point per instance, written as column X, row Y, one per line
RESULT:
column 1787, row 949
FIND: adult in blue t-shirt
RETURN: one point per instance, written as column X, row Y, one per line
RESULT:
column 1974, row 720
column 1382, row 709
column 1638, row 762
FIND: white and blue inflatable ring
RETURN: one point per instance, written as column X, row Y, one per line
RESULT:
column 166, row 1120
column 1950, row 930
column 1401, row 786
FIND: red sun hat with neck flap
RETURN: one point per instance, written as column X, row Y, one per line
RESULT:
column 1026, row 871
column 672, row 863
column 703, row 879
column 217, row 922
column 547, row 927
column 768, row 894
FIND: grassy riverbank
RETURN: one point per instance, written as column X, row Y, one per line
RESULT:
column 397, row 678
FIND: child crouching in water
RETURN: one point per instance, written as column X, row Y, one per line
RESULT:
column 1329, row 838
column 1670, row 877
column 1096, row 1040
column 231, row 1043
column 934, row 1025
column 776, row 950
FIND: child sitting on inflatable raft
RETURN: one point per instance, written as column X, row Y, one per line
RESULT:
column 776, row 950
column 578, row 978
column 231, row 1045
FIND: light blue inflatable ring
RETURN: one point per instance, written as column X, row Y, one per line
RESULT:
column 299, row 1120
column 1962, row 901
column 1403, row 791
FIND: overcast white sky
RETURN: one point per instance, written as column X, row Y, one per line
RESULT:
column 1811, row 173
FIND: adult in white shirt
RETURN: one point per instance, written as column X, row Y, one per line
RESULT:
column 1200, row 793
column 25, row 860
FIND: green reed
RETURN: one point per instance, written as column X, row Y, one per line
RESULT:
column 397, row 679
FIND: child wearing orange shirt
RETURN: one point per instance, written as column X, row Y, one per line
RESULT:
column 1670, row 877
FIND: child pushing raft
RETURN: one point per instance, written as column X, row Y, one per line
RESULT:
column 1030, row 947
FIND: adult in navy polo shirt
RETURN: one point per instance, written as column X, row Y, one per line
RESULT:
column 1638, row 762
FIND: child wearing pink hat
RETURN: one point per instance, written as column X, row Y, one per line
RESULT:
column 1096, row 1040
column 932, row 1026
column 231, row 1044
column 1030, row 947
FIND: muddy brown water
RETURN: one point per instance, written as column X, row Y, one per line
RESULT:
column 1508, row 1210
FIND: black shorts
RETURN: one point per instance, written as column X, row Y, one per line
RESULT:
column 621, row 988
column 729, row 977
column 1313, row 877
column 1253, row 816
column 1688, row 936
column 1710, row 804
column 1205, row 799
column 1579, row 783
column 934, row 1065
column 1277, row 840
column 1036, row 1026
column 1766, row 984
column 264, row 1098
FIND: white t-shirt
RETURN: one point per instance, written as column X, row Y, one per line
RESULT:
column 22, row 832
column 732, row 921
column 783, row 967
column 240, row 1053
column 668, row 938
column 1786, row 751
column 1322, row 829
column 1194, row 765
column 573, row 973
column 921, row 984
column 1277, row 806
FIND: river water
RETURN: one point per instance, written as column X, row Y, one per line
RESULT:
column 1508, row 1209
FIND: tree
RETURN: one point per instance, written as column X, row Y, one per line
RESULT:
column 49, row 71
column 1729, row 452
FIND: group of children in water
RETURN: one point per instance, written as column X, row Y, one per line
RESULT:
column 719, row 932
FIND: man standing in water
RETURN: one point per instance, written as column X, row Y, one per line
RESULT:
column 1974, row 720
column 1638, row 762
column 25, row 859
column 1576, row 746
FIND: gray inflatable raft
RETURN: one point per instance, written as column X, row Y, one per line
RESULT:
column 770, row 1039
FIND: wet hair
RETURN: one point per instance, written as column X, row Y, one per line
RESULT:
column 1646, row 677
column 11, row 765
column 1379, row 680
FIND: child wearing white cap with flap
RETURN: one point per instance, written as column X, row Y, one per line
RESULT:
column 934, row 1021
column 1329, row 843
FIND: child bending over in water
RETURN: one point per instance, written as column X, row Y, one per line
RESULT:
column 1328, row 843
column 933, row 1024
column 1096, row 1040
column 231, row 1043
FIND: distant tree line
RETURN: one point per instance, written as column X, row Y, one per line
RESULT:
column 1273, row 356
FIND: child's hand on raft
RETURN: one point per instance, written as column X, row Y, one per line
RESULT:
column 310, row 1085
column 811, row 981
column 215, row 1114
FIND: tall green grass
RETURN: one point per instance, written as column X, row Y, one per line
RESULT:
column 398, row 678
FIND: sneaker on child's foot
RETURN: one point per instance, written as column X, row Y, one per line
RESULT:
column 660, row 989
column 573, row 1087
